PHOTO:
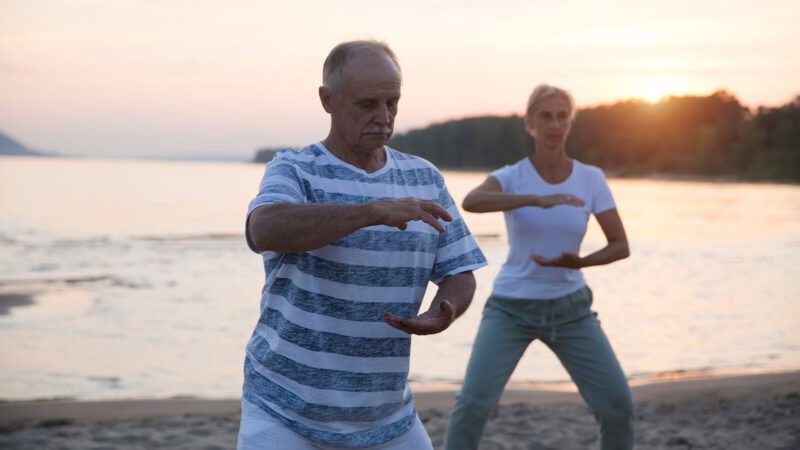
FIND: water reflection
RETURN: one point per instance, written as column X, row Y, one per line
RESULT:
column 144, row 287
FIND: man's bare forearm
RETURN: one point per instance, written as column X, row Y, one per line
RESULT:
column 459, row 289
column 292, row 228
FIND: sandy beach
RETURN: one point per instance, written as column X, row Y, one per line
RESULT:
column 741, row 412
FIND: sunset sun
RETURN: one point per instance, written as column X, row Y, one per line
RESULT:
column 654, row 89
column 654, row 93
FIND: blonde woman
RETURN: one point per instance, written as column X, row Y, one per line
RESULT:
column 540, row 292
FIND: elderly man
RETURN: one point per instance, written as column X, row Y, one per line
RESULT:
column 351, row 232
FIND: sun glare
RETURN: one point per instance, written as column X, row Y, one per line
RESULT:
column 653, row 94
column 653, row 89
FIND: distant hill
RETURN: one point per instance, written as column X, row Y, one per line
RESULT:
column 265, row 155
column 10, row 147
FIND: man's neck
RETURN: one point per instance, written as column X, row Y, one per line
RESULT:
column 368, row 160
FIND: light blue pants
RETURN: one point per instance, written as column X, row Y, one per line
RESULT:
column 571, row 330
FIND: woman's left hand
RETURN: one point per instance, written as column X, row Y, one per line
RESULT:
column 566, row 259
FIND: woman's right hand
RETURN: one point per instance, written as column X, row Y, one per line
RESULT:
column 548, row 201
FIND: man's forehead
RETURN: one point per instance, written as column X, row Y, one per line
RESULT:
column 369, row 56
column 370, row 65
column 374, row 87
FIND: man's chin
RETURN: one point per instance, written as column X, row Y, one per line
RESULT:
column 375, row 139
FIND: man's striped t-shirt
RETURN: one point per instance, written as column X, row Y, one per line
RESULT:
column 321, row 360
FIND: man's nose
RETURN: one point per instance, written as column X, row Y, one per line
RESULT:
column 383, row 115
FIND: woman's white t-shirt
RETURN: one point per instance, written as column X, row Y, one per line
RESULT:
column 547, row 231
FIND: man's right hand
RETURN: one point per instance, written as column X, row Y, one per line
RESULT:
column 398, row 212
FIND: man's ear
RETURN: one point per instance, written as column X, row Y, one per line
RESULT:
column 325, row 98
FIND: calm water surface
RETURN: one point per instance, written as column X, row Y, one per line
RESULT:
column 143, row 286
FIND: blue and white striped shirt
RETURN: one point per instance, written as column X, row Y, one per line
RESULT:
column 321, row 360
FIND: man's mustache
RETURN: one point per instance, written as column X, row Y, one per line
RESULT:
column 377, row 130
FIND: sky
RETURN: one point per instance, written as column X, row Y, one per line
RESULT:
column 197, row 78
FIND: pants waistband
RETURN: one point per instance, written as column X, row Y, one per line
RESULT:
column 546, row 313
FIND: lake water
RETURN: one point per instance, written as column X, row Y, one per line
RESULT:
column 143, row 286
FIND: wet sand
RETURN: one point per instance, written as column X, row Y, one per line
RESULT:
column 742, row 412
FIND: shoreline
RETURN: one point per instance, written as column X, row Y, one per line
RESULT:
column 432, row 396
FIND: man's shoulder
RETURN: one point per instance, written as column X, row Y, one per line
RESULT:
column 411, row 161
column 297, row 155
column 302, row 161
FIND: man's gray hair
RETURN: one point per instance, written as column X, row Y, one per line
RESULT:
column 332, row 69
column 543, row 91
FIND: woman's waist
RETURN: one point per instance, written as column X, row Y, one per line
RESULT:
column 573, row 305
column 537, row 280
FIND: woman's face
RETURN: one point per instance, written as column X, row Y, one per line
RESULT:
column 549, row 121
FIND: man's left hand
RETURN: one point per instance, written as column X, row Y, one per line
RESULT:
column 435, row 320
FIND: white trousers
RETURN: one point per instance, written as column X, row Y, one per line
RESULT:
column 260, row 431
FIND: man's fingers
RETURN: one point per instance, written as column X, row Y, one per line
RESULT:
column 410, row 326
column 431, row 212
column 395, row 321
column 433, row 221
column 400, row 212
column 440, row 212
column 429, row 322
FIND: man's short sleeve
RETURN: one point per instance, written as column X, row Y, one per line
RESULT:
column 602, row 199
column 457, row 250
column 280, row 184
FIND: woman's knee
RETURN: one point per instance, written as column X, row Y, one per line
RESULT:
column 476, row 403
column 619, row 408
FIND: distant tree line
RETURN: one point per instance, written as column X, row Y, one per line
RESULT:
column 690, row 135
column 264, row 155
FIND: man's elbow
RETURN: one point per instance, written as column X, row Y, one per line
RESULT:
column 259, row 239
column 471, row 281
column 261, row 227
column 258, row 243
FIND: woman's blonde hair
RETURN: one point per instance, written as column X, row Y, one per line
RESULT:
column 543, row 91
